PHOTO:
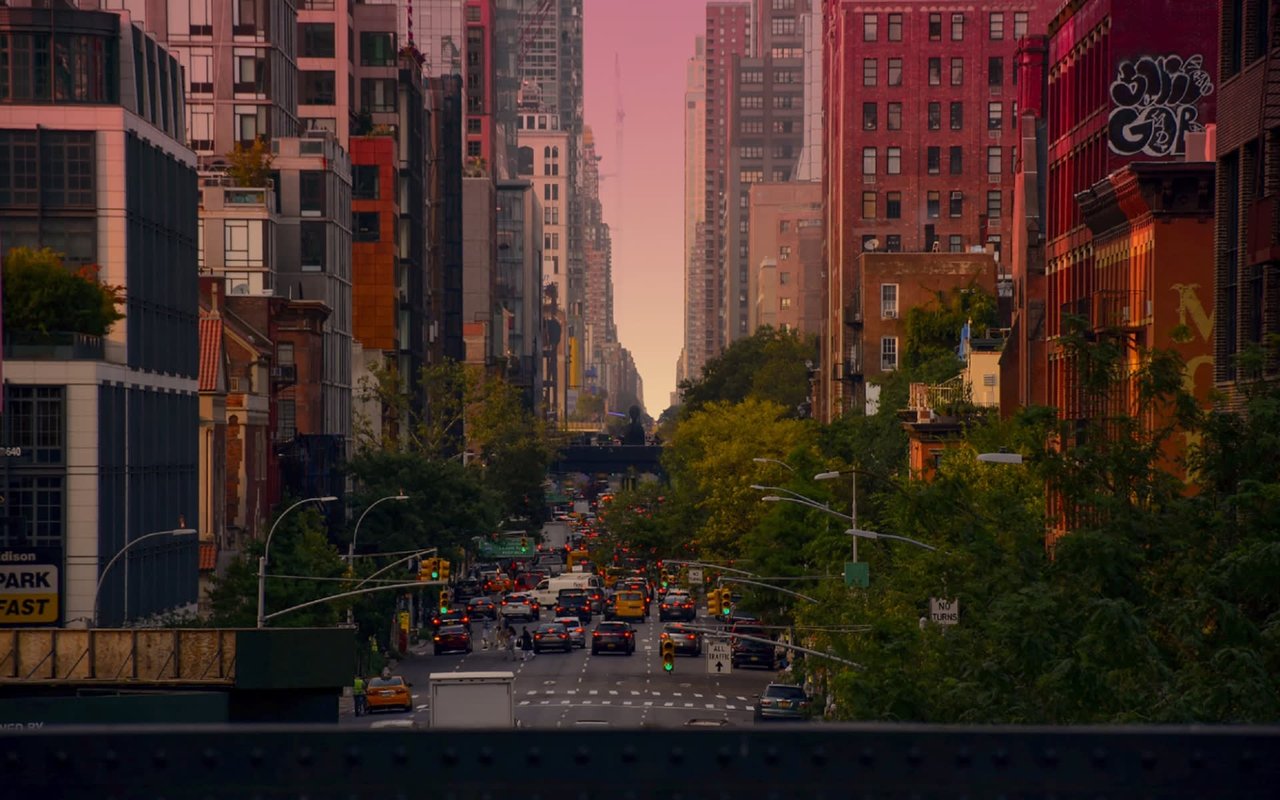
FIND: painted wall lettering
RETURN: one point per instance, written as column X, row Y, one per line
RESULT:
column 1155, row 104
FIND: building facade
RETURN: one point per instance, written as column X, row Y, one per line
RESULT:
column 696, row 278
column 785, row 253
column 106, row 427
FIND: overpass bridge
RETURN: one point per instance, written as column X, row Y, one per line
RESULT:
column 611, row 459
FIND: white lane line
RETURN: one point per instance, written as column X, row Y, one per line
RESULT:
column 565, row 702
column 751, row 708
column 721, row 697
column 586, row 702
column 524, row 702
column 572, row 691
column 648, row 702
column 606, row 702
column 688, row 705
column 743, row 699
column 731, row 708
column 613, row 691
column 710, row 705
column 676, row 694
column 695, row 694
column 543, row 702
column 626, row 702
column 532, row 692
column 423, row 707
column 634, row 693
column 668, row 705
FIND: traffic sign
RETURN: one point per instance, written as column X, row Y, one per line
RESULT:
column 943, row 611
column 719, row 658
column 695, row 576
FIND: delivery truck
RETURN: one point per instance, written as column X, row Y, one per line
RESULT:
column 472, row 700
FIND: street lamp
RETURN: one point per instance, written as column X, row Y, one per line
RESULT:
column 774, row 461
column 351, row 548
column 853, row 507
column 266, row 550
column 859, row 534
column 103, row 575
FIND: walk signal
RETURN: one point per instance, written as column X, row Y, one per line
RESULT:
column 668, row 655
column 726, row 601
column 713, row 602
column 442, row 567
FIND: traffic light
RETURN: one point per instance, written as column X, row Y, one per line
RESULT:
column 424, row 569
column 726, row 601
column 444, row 601
column 713, row 602
column 524, row 544
column 434, row 566
column 668, row 655
column 443, row 568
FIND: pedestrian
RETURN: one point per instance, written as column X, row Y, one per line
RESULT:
column 509, row 634
column 526, row 645
column 484, row 635
column 358, row 695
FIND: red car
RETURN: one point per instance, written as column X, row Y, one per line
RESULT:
column 453, row 639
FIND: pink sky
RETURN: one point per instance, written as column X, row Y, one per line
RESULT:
column 653, row 40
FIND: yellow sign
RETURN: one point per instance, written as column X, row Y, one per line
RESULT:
column 404, row 621
column 28, row 593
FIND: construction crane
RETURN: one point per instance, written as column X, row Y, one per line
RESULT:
column 530, row 30
column 620, row 115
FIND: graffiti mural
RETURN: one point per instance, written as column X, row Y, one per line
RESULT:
column 1155, row 104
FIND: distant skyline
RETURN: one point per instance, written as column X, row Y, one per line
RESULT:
column 652, row 42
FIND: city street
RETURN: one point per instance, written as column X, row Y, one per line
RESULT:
column 561, row 690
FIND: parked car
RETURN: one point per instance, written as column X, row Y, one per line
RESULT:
column 782, row 701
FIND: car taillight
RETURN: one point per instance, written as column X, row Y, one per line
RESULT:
column 595, row 635
column 691, row 637
column 564, row 636
column 537, row 636
column 627, row 634
column 766, row 701
column 437, row 638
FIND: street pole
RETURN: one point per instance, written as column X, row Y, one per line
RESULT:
column 853, row 513
column 266, row 549
column 103, row 575
column 351, row 548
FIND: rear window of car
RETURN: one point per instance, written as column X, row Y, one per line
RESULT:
column 630, row 596
column 613, row 627
column 452, row 629
column 791, row 692
column 378, row 682
column 673, row 597
column 551, row 627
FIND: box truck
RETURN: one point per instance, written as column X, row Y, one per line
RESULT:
column 472, row 700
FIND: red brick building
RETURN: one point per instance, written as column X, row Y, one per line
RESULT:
column 375, row 302
column 1127, row 80
column 919, row 140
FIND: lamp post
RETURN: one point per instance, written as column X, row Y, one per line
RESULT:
column 103, row 575
column 775, row 461
column 351, row 548
column 853, row 508
column 266, row 550
column 858, row 534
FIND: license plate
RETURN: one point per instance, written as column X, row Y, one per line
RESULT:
column 755, row 658
column 611, row 645
column 386, row 694
column 784, row 704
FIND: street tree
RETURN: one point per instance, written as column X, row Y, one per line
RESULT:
column 42, row 296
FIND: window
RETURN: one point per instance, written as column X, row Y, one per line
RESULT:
column 751, row 126
column 365, row 226
column 935, row 71
column 893, row 119
column 933, row 160
column 751, row 101
column 751, row 76
column 935, row 27
column 995, row 71
column 956, row 160
column 784, row 303
column 784, row 251
column 893, row 159
column 957, row 72
column 957, row 27
column 868, row 72
column 993, row 160
column 893, row 205
column 200, row 131
column 784, row 5
column 751, row 176
column 995, row 116
column 935, row 116
column 200, row 72
column 895, row 27
column 316, row 87
column 893, row 243
column 377, row 48
column 783, row 101
column 1019, row 24
column 957, row 116
column 378, row 94
column 313, row 250
column 888, row 300
column 251, row 73
column 933, row 203
column 868, row 116
column 868, row 205
column 751, row 151
column 316, row 39
column 888, row 353
column 869, row 24
column 895, row 72
column 246, row 18
column 287, row 424
column 784, row 278
column 868, row 161
column 994, row 204
column 955, row 207
column 311, row 193
column 955, row 243
column 783, row 26
column 364, row 182
column 995, row 26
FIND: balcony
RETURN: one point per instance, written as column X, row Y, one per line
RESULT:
column 284, row 374
column 53, row 346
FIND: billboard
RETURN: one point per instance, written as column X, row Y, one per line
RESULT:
column 30, row 586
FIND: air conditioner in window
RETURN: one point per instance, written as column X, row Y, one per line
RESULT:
column 889, row 313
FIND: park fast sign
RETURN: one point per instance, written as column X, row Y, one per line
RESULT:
column 30, row 586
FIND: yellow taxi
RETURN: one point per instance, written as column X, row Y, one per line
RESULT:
column 388, row 692
column 629, row 604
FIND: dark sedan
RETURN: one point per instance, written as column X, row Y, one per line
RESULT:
column 454, row 616
column 482, row 608
column 613, row 637
column 687, row 642
column 452, row 639
column 677, row 605
column 551, row 636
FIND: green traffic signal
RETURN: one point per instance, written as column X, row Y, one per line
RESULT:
column 726, row 611
column 668, row 666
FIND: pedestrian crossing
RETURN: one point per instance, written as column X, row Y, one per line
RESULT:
column 633, row 698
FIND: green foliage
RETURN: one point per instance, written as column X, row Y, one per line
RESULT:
column 933, row 331
column 769, row 365
column 42, row 296
column 251, row 166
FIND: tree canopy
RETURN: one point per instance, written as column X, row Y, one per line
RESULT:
column 769, row 365
column 43, row 296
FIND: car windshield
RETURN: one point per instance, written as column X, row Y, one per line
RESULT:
column 382, row 682
column 787, row 692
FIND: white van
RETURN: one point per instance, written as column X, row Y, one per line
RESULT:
column 549, row 589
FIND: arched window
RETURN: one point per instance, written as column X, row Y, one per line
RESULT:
column 555, row 152
column 546, row 152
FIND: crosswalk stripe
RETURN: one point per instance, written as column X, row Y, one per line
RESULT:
column 731, row 708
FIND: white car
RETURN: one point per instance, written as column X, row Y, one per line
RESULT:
column 577, row 633
column 519, row 606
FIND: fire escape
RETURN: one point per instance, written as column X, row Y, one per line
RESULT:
column 1259, row 267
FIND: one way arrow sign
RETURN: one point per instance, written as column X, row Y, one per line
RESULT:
column 719, row 658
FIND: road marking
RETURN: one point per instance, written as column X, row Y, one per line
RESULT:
column 565, row 702
column 634, row 692
column 586, row 702
column 593, row 691
column 711, row 705
column 606, row 702
column 531, row 692
column 613, row 691
column 677, row 694
column 731, row 708
column 423, row 707
column 668, row 705
column 524, row 702
column 743, row 699
column 751, row 708
column 721, row 697
column 648, row 702
column 626, row 702
column 543, row 702
column 688, row 705
column 572, row 691
column 695, row 694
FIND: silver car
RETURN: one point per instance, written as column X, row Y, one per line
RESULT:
column 577, row 633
